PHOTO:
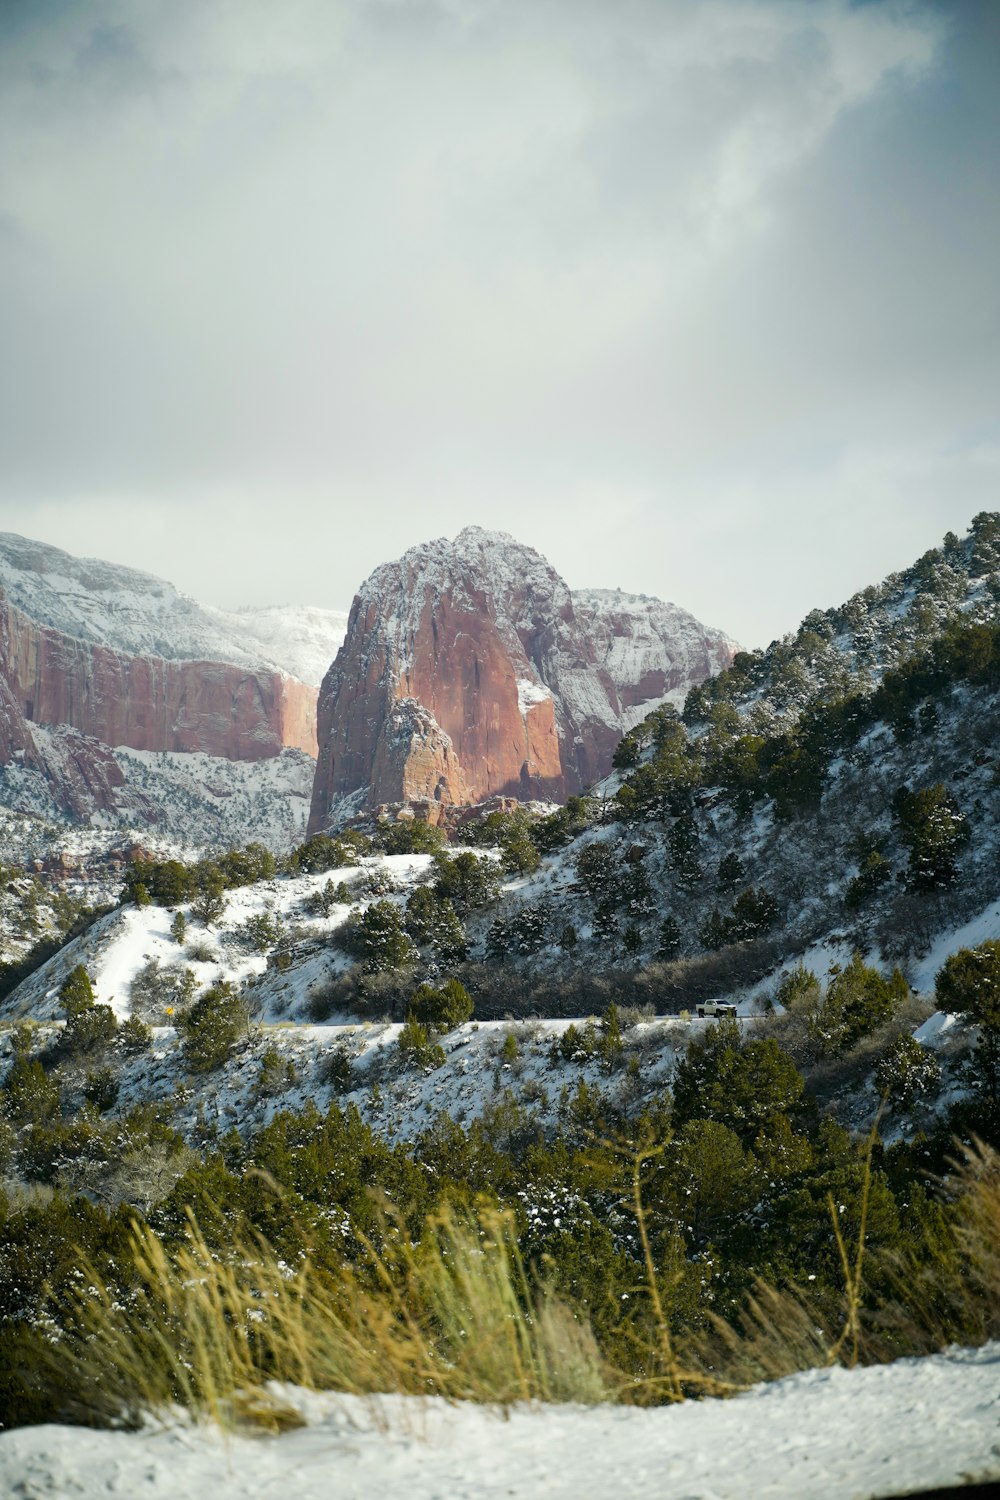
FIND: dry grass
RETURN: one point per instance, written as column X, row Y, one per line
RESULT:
column 452, row 1317
column 955, row 1298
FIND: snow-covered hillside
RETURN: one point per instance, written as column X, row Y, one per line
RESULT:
column 132, row 957
column 640, row 640
column 301, row 639
column 142, row 615
column 889, row 1430
column 849, row 649
column 194, row 800
column 293, row 982
column 689, row 867
column 111, row 605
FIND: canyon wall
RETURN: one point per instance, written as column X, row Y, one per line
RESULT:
column 149, row 703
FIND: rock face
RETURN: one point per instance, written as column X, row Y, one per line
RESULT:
column 149, row 703
column 110, row 657
column 470, row 670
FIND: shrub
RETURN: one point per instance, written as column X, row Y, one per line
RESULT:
column 874, row 873
column 101, row 1089
column 29, row 1096
column 969, row 985
column 211, row 900
column 857, row 1001
column 168, row 882
column 611, row 1044
column 178, row 927
column 276, row 1074
column 88, row 1032
column 416, row 1046
column 745, row 1086
column 510, row 1051
column 442, row 1009
column 157, row 994
column 324, row 853
column 249, row 865
column 260, row 932
column 213, row 1026
column 377, row 938
column 201, row 952
column 321, row 903
column 934, row 831
column 906, row 1073
column 431, row 921
column 524, row 931
column 134, row 1036
column 336, row 1072
column 410, row 837
column 467, row 882
column 577, row 1044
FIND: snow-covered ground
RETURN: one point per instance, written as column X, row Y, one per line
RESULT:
column 194, row 800
column 826, row 1434
column 296, row 1012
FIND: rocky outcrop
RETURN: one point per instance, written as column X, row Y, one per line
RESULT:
column 523, row 687
column 415, row 761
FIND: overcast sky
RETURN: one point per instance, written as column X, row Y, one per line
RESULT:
column 698, row 297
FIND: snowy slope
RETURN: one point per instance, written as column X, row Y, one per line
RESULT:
column 142, row 615
column 829, row 1434
column 120, row 945
column 301, row 639
column 639, row 641
column 111, row 605
column 850, row 648
column 195, row 800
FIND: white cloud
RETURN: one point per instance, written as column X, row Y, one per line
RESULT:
column 366, row 271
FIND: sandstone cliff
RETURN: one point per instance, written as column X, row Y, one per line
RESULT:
column 524, row 687
column 111, row 657
column 150, row 703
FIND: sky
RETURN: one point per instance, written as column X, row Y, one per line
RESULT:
column 697, row 297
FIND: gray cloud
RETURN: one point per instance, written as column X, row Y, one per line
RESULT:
column 699, row 299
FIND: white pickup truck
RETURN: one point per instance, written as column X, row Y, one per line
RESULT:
column 716, row 1008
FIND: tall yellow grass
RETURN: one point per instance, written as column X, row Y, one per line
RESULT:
column 453, row 1316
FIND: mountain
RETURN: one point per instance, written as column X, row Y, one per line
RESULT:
column 107, row 658
column 470, row 669
column 839, row 791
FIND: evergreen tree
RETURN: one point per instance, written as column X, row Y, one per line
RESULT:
column 468, row 882
column 668, row 940
column 378, row 939
column 444, row 1008
column 969, row 985
column 77, row 993
column 934, row 831
column 213, row 1026
column 211, row 901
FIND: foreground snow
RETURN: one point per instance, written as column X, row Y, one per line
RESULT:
column 827, row 1434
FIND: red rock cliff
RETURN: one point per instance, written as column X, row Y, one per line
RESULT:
column 524, row 688
column 148, row 703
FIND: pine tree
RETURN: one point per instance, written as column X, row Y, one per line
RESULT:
column 77, row 993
